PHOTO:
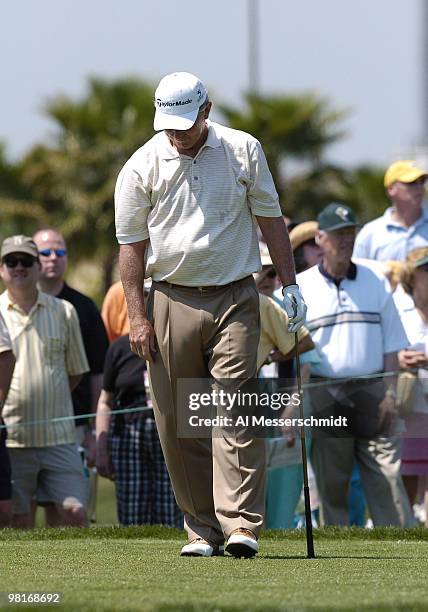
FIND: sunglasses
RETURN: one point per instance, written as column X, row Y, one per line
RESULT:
column 26, row 261
column 48, row 252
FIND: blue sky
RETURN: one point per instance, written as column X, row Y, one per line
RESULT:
column 365, row 56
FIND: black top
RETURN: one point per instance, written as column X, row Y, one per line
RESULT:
column 124, row 373
column 96, row 344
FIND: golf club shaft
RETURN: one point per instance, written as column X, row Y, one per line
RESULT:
column 308, row 515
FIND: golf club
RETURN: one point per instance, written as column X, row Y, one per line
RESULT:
column 308, row 515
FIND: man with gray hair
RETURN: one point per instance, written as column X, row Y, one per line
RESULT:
column 357, row 330
column 185, row 203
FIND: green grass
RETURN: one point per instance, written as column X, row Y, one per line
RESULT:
column 139, row 569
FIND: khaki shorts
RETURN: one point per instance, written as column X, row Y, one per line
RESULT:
column 58, row 469
column 42, row 497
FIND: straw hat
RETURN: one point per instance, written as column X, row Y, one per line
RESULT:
column 302, row 233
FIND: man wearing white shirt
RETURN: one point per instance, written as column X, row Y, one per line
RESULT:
column 185, row 204
column 356, row 327
column 404, row 226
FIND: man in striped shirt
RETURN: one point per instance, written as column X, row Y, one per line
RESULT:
column 50, row 359
column 185, row 208
column 358, row 332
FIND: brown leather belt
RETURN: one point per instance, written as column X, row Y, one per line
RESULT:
column 205, row 288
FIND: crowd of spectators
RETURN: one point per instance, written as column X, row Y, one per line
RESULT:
column 367, row 320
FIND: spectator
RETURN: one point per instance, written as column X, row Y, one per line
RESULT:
column 357, row 330
column 7, row 363
column 276, row 343
column 53, row 259
column 50, row 359
column 306, row 252
column 412, row 304
column 404, row 226
column 128, row 447
column 115, row 312
column 284, row 477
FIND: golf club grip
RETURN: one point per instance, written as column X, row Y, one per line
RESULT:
column 309, row 534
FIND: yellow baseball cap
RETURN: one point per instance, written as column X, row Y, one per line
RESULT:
column 404, row 170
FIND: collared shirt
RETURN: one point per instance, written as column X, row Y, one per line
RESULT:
column 273, row 330
column 383, row 238
column 48, row 347
column 197, row 211
column 353, row 323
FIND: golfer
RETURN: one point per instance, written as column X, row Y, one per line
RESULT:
column 185, row 204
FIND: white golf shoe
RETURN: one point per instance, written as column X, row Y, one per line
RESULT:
column 242, row 543
column 201, row 548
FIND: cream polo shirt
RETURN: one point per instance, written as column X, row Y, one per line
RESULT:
column 273, row 330
column 48, row 347
column 197, row 212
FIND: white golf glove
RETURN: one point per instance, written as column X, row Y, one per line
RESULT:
column 295, row 307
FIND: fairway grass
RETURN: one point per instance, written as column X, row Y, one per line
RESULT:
column 140, row 569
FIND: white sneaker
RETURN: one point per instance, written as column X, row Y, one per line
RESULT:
column 201, row 548
column 242, row 543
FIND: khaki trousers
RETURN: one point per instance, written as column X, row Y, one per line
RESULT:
column 379, row 463
column 219, row 483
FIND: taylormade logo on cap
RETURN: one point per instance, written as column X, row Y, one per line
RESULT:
column 178, row 98
column 176, row 103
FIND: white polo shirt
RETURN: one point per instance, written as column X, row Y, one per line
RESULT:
column 353, row 324
column 383, row 238
column 197, row 211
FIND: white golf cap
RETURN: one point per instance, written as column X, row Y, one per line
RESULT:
column 178, row 98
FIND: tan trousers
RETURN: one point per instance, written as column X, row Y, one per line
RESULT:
column 379, row 463
column 219, row 483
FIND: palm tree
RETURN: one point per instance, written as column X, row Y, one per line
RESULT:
column 360, row 188
column 291, row 126
column 19, row 213
column 74, row 176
